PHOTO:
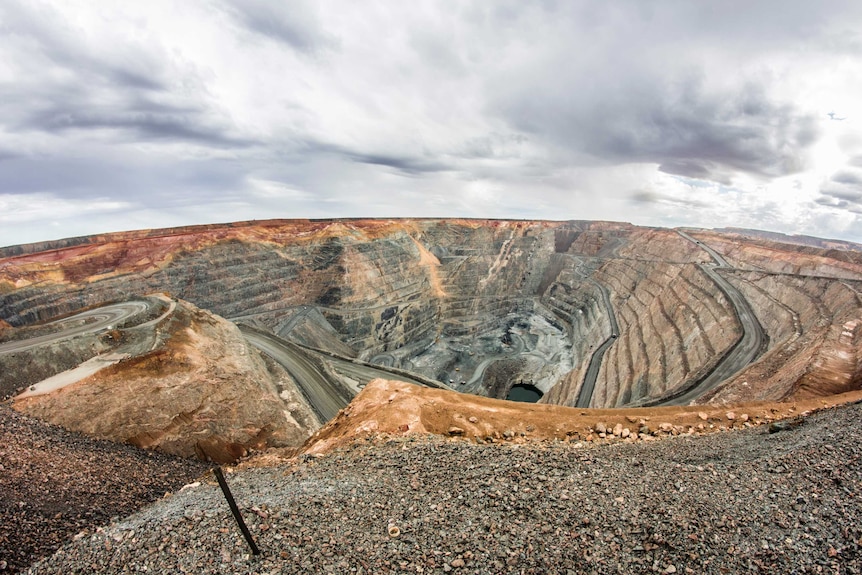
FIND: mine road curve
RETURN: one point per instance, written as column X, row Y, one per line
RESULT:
column 743, row 352
column 324, row 396
column 478, row 373
column 364, row 372
column 301, row 313
column 585, row 396
column 88, row 321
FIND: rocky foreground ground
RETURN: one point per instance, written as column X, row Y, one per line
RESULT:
column 741, row 501
column 55, row 484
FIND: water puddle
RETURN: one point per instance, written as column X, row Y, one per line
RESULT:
column 524, row 392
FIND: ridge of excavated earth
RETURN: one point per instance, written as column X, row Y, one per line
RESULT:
column 742, row 501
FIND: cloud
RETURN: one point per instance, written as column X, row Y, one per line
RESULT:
column 296, row 24
column 135, row 119
column 132, row 91
column 211, row 110
column 849, row 178
column 617, row 94
column 652, row 197
column 843, row 191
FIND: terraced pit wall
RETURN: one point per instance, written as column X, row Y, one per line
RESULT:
column 398, row 286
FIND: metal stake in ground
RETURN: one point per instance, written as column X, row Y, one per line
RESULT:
column 235, row 510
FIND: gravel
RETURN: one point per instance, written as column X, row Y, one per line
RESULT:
column 742, row 501
column 55, row 484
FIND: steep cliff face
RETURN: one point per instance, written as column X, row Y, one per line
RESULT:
column 813, row 325
column 483, row 305
column 776, row 257
column 674, row 326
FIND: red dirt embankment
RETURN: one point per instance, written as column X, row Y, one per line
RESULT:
column 398, row 408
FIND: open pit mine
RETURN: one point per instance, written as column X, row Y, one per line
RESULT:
column 217, row 342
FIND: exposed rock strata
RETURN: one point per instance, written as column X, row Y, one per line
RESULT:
column 814, row 326
column 439, row 296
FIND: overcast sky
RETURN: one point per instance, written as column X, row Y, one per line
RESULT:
column 127, row 115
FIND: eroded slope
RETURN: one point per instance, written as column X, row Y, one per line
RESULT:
column 196, row 389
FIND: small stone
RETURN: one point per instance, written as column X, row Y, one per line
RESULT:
column 666, row 427
column 601, row 428
column 670, row 569
column 403, row 427
column 644, row 430
column 625, row 432
column 730, row 415
column 508, row 434
column 455, row 431
column 743, row 417
column 702, row 415
column 473, row 419
column 618, row 429
column 457, row 563
column 531, row 428
column 832, row 552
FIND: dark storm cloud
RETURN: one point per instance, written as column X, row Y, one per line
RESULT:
column 129, row 92
column 848, row 194
column 843, row 191
column 852, row 206
column 679, row 125
column 295, row 24
column 404, row 164
column 848, row 177
column 401, row 163
column 136, row 119
column 640, row 82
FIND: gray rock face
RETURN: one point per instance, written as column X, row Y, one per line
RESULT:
column 485, row 305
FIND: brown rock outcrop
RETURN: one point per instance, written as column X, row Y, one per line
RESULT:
column 387, row 408
column 203, row 392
